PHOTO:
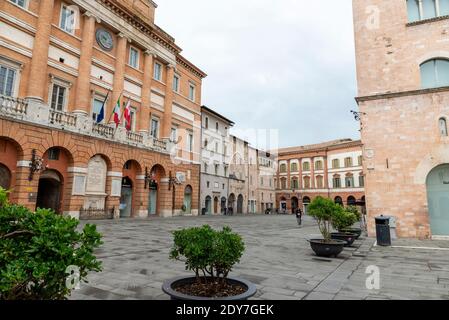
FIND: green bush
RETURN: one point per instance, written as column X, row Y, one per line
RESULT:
column 37, row 248
column 207, row 252
column 344, row 219
column 355, row 211
column 324, row 211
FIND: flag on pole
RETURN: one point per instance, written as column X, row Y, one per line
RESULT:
column 117, row 112
column 100, row 116
column 127, row 116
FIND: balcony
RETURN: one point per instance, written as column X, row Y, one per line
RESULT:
column 37, row 113
column 13, row 107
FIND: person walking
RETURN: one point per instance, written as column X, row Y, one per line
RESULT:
column 299, row 216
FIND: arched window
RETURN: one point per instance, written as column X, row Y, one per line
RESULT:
column 306, row 166
column 443, row 127
column 435, row 73
column 306, row 182
column 335, row 163
column 283, row 168
column 294, row 167
column 319, row 182
column 295, row 184
column 319, row 165
column 283, row 183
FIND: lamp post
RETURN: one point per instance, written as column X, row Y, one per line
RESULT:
column 36, row 164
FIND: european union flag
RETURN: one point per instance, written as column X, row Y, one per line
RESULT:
column 100, row 116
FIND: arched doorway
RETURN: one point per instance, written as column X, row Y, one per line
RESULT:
column 156, row 174
column 351, row 201
column 231, row 203
column 126, row 199
column 305, row 203
column 438, row 200
column 188, row 199
column 223, row 205
column 295, row 204
column 338, row 200
column 216, row 205
column 49, row 191
column 240, row 204
column 5, row 177
column 208, row 205
column 283, row 205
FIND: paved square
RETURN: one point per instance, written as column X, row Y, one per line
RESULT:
column 278, row 259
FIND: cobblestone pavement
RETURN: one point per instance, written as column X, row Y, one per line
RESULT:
column 278, row 259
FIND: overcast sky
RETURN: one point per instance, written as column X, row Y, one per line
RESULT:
column 272, row 64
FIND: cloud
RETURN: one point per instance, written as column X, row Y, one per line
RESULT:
column 282, row 64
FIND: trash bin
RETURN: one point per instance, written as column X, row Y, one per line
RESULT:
column 383, row 231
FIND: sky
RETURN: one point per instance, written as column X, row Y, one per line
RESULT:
column 286, row 65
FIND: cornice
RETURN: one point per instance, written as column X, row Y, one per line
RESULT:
column 190, row 66
column 390, row 95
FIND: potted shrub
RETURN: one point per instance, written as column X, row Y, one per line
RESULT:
column 42, row 255
column 341, row 220
column 211, row 255
column 348, row 228
column 324, row 211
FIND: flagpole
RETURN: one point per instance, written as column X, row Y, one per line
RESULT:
column 113, row 109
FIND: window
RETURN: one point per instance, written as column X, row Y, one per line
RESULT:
column 261, row 181
column 133, row 119
column 157, row 71
column 319, row 165
column 176, row 83
column 435, row 73
column 270, row 182
column 226, row 171
column 154, row 130
column 283, row 184
column 306, row 182
column 205, row 143
column 58, row 98
column 319, row 182
column 336, row 182
column 20, row 3
column 361, row 181
column 208, row 184
column 96, row 108
column 283, row 168
column 335, row 163
column 216, row 126
column 443, row 127
column 7, row 81
column 306, row 166
column 348, row 162
column 295, row 184
column 216, row 147
column 174, row 134
column 67, row 21
column 426, row 9
column 192, row 92
column 360, row 160
column 190, row 142
column 134, row 57
column 217, row 167
column 349, row 181
column 206, row 123
column 294, row 167
column 206, row 167
column 53, row 154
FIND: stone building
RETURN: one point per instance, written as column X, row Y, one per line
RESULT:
column 238, row 176
column 266, row 173
column 332, row 170
column 215, row 160
column 403, row 96
column 60, row 63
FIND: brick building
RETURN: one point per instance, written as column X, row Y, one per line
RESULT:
column 59, row 62
column 331, row 170
column 403, row 96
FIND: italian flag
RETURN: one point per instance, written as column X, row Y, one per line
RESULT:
column 127, row 116
column 117, row 113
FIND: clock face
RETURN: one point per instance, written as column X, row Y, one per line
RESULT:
column 104, row 39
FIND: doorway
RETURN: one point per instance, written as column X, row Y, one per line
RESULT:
column 208, row 205
column 188, row 199
column 5, row 177
column 49, row 191
column 126, row 198
column 438, row 200
column 152, row 199
column 240, row 204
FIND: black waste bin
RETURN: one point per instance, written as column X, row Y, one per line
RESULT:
column 383, row 231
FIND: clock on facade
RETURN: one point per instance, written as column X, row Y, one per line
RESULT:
column 104, row 39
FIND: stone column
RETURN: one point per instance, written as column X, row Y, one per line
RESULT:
column 83, row 95
column 167, row 119
column 119, row 75
column 38, row 71
column 143, row 124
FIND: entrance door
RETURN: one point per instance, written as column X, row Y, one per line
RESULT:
column 152, row 202
column 438, row 198
column 5, row 177
column 208, row 205
column 240, row 204
column 126, row 199
column 49, row 191
column 188, row 199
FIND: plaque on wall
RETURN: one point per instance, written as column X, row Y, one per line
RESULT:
column 104, row 39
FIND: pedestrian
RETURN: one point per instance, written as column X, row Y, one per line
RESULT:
column 299, row 216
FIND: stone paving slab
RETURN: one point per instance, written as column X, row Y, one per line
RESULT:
column 278, row 259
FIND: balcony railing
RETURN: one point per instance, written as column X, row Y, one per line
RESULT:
column 159, row 144
column 103, row 130
column 134, row 137
column 62, row 118
column 13, row 106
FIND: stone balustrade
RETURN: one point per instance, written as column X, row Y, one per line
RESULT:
column 134, row 137
column 13, row 107
column 63, row 119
